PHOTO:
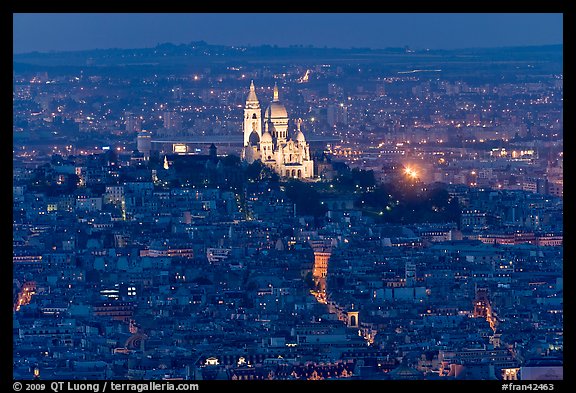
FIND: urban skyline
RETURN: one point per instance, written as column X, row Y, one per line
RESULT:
column 189, row 211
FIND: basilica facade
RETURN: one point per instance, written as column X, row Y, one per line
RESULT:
column 268, row 139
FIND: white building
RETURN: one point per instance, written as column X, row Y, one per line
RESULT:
column 288, row 156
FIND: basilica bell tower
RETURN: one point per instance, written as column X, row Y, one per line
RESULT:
column 252, row 116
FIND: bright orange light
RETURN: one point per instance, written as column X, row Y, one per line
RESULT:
column 410, row 172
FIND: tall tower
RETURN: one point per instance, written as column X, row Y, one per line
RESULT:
column 252, row 116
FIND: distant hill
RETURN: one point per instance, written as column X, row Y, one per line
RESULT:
column 200, row 52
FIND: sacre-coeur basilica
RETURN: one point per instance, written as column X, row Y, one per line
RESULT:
column 268, row 139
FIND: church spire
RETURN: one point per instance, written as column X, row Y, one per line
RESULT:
column 252, row 99
column 275, row 92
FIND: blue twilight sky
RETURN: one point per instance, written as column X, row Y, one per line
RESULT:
column 70, row 31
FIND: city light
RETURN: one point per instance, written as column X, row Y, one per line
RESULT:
column 262, row 220
column 411, row 172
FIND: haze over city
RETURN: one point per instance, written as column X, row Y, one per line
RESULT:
column 61, row 32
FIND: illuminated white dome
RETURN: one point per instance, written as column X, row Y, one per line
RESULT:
column 276, row 111
column 266, row 137
column 300, row 137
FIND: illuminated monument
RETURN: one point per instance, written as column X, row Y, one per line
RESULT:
column 289, row 157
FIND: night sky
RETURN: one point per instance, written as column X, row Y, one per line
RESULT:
column 46, row 32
